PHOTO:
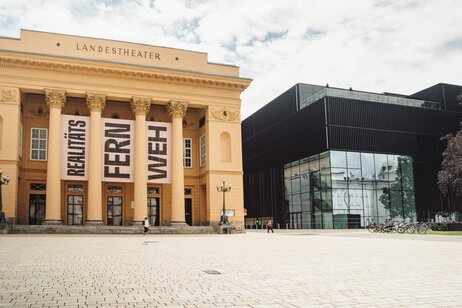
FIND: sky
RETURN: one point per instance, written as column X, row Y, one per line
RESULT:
column 399, row 46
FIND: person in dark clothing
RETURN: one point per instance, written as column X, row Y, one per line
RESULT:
column 269, row 226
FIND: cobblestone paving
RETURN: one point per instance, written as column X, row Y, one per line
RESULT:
column 284, row 269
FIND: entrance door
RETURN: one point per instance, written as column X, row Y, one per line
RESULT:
column 36, row 209
column 153, row 211
column 188, row 211
column 114, row 211
column 295, row 220
column 74, row 210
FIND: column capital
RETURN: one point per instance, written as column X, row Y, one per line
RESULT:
column 177, row 109
column 55, row 98
column 96, row 102
column 140, row 105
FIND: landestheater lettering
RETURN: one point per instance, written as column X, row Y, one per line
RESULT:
column 118, row 51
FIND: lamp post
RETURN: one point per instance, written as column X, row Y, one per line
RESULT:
column 4, row 180
column 224, row 188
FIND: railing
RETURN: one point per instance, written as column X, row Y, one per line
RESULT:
column 366, row 96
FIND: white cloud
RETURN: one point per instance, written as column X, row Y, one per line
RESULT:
column 383, row 45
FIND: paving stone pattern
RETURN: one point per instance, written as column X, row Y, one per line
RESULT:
column 256, row 269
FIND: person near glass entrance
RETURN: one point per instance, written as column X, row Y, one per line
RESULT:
column 146, row 225
column 269, row 225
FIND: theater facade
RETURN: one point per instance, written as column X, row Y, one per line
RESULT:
column 323, row 157
column 105, row 132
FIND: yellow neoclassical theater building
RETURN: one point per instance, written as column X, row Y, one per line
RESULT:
column 104, row 132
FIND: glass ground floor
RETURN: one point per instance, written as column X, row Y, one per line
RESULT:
column 338, row 189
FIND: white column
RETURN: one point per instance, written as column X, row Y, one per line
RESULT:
column 55, row 100
column 96, row 104
column 140, row 106
column 177, row 111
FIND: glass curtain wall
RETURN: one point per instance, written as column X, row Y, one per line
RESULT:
column 338, row 189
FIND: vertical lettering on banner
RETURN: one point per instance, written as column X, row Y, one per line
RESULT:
column 118, row 150
column 74, row 147
column 159, row 136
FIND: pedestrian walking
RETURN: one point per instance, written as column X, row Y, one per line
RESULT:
column 269, row 226
column 146, row 225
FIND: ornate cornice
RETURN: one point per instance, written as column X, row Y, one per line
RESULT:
column 42, row 65
column 7, row 95
column 55, row 98
column 140, row 105
column 96, row 102
column 177, row 109
column 225, row 114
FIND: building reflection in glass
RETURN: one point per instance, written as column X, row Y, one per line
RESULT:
column 338, row 189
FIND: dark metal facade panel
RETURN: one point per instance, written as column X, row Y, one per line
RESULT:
column 264, row 193
column 366, row 140
column 303, row 133
column 380, row 116
column 276, row 111
column 442, row 92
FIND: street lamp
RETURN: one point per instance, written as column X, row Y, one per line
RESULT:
column 224, row 188
column 4, row 180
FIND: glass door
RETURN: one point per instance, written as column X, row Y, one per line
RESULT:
column 36, row 209
column 153, row 211
column 114, row 211
column 188, row 211
column 74, row 210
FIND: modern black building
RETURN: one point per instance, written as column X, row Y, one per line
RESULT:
column 323, row 157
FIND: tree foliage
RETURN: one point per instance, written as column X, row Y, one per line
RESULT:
column 399, row 197
column 450, row 176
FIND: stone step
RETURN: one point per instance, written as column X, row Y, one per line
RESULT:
column 64, row 229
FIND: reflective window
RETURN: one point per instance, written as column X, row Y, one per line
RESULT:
column 338, row 159
column 324, row 160
column 349, row 189
column 353, row 160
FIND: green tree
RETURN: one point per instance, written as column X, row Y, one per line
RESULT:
column 399, row 197
column 450, row 176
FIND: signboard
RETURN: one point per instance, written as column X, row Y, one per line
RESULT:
column 118, row 150
column 74, row 147
column 159, row 149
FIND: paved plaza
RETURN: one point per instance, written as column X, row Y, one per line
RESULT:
column 290, row 268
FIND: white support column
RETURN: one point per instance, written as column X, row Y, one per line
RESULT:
column 96, row 104
column 177, row 111
column 55, row 99
column 140, row 106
